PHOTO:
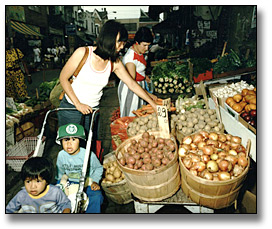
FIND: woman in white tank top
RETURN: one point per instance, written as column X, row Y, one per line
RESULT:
column 86, row 91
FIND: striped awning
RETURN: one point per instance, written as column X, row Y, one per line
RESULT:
column 25, row 29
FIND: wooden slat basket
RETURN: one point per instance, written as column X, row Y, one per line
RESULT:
column 117, row 192
column 154, row 185
column 212, row 194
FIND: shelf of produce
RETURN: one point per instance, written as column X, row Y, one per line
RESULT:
column 234, row 127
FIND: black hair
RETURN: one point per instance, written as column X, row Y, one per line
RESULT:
column 106, row 42
column 143, row 35
column 37, row 166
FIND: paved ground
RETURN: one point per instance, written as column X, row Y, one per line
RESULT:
column 109, row 103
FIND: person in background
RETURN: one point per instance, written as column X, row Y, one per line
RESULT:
column 37, row 57
column 85, row 92
column 62, row 52
column 15, row 79
column 38, row 195
column 70, row 162
column 135, row 64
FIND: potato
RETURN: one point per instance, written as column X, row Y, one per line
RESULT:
column 110, row 177
column 117, row 173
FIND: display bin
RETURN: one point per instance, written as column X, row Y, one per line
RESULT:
column 246, row 124
column 208, row 75
column 117, row 192
column 22, row 151
column 217, row 100
column 212, row 194
column 119, row 130
column 232, row 112
column 154, row 185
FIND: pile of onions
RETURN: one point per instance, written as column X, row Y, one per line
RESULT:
column 213, row 156
column 148, row 153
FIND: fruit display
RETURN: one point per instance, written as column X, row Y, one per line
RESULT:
column 213, row 156
column 250, row 117
column 246, row 101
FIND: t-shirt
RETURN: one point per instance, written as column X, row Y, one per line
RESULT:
column 52, row 200
column 138, row 60
column 89, row 83
column 71, row 165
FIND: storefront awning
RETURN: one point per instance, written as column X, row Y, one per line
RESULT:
column 25, row 29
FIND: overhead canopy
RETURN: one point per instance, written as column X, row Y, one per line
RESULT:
column 165, row 26
column 25, row 29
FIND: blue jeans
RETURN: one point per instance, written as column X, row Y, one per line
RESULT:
column 95, row 199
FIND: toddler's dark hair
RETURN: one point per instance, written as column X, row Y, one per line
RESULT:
column 37, row 166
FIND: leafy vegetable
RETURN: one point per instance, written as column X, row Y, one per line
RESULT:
column 229, row 62
column 200, row 65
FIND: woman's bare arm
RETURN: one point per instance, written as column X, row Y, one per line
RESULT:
column 67, row 71
column 123, row 75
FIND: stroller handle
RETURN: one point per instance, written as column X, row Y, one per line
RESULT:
column 44, row 123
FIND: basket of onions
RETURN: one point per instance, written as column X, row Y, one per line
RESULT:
column 150, row 165
column 213, row 167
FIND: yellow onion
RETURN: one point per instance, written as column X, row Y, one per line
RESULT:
column 197, row 138
column 213, row 136
column 187, row 162
column 187, row 140
column 236, row 139
column 242, row 161
column 212, row 166
column 223, row 176
column 201, row 145
column 208, row 150
column 222, row 138
column 182, row 152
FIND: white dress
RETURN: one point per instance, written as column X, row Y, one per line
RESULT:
column 128, row 100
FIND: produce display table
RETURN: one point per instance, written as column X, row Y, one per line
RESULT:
column 234, row 127
column 178, row 199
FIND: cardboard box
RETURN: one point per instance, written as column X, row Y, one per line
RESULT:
column 246, row 124
column 217, row 100
column 232, row 112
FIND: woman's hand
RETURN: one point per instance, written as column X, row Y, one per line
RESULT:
column 83, row 108
column 154, row 97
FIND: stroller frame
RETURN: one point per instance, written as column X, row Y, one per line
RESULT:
column 79, row 195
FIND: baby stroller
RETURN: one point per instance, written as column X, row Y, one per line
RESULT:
column 79, row 199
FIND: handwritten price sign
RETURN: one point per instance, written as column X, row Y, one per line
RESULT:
column 162, row 113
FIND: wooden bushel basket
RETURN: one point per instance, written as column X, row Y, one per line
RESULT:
column 154, row 185
column 117, row 192
column 212, row 194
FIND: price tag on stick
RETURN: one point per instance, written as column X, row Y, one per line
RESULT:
column 167, row 103
column 162, row 113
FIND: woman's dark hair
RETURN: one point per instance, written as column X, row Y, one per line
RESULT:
column 106, row 42
column 143, row 35
column 37, row 166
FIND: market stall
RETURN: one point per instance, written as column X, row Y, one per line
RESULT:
column 211, row 136
column 23, row 124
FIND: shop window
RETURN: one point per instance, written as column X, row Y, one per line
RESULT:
column 35, row 8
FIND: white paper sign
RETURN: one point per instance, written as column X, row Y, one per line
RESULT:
column 162, row 113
